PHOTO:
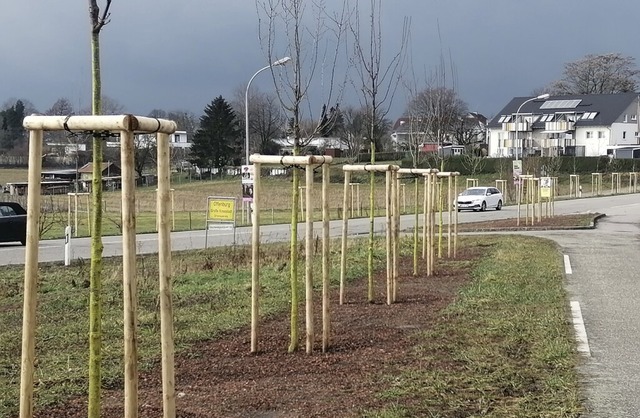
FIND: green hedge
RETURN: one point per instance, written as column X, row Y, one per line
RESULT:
column 536, row 165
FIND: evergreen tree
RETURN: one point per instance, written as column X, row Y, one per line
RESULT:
column 217, row 142
column 12, row 133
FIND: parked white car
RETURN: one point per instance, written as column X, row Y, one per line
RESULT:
column 479, row 199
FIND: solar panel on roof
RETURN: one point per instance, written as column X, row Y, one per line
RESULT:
column 560, row 104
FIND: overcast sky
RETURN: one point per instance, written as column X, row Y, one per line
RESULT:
column 180, row 55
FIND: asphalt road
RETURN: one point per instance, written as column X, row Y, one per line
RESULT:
column 603, row 279
column 601, row 267
column 53, row 250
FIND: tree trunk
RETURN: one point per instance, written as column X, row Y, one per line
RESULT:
column 295, row 197
column 95, row 277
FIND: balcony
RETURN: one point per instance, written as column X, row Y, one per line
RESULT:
column 559, row 126
column 522, row 126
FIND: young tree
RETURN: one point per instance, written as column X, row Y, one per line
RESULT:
column 97, row 21
column 598, row 74
column 218, row 141
column 378, row 83
column 286, row 30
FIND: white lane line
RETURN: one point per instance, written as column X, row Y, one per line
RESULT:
column 578, row 326
column 567, row 265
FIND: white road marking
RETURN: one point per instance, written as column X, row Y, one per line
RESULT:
column 567, row 265
column 578, row 326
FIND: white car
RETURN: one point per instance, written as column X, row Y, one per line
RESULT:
column 480, row 198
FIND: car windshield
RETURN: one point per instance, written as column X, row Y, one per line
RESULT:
column 473, row 192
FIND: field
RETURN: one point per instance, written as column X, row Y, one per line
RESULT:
column 190, row 201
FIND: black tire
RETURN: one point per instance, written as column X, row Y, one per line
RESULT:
column 499, row 206
column 483, row 207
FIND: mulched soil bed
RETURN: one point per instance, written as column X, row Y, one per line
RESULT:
column 556, row 222
column 220, row 378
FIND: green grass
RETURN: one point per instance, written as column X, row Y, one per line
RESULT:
column 503, row 349
column 211, row 295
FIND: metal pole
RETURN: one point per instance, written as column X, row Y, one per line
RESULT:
column 281, row 61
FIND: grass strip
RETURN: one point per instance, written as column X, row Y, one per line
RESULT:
column 503, row 349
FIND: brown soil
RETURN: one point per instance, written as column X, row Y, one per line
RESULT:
column 220, row 378
column 557, row 222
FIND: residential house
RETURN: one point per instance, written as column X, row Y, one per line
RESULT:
column 470, row 131
column 579, row 125
column 111, row 176
column 327, row 145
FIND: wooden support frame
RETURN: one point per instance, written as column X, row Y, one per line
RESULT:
column 75, row 210
column 472, row 183
column 355, row 199
column 596, row 184
column 502, row 186
column 309, row 162
column 452, row 220
column 418, row 173
column 126, row 126
column 616, row 183
column 633, row 182
column 390, row 192
column 574, row 185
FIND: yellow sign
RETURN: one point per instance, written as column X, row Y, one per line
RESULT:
column 222, row 209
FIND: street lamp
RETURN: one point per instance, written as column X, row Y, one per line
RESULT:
column 541, row 97
column 281, row 61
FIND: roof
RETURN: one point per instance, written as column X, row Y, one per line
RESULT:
column 88, row 167
column 403, row 124
column 609, row 107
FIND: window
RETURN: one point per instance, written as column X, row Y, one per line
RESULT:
column 560, row 104
column 626, row 119
column 634, row 117
column 624, row 134
column 7, row 211
column 589, row 134
column 600, row 134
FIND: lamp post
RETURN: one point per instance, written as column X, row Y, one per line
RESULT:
column 281, row 61
column 540, row 97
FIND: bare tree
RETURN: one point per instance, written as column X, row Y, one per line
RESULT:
column 469, row 131
column 311, row 35
column 598, row 74
column 98, row 21
column 474, row 163
column 378, row 83
column 433, row 110
column 439, row 109
column 266, row 119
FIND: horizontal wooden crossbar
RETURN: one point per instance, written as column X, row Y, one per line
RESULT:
column 370, row 167
column 420, row 171
column 291, row 159
column 129, row 123
column 448, row 174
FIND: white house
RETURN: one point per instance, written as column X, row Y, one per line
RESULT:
column 468, row 130
column 581, row 125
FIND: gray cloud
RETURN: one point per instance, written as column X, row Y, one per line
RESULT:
column 180, row 55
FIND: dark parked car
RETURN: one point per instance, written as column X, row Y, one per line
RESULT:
column 13, row 222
